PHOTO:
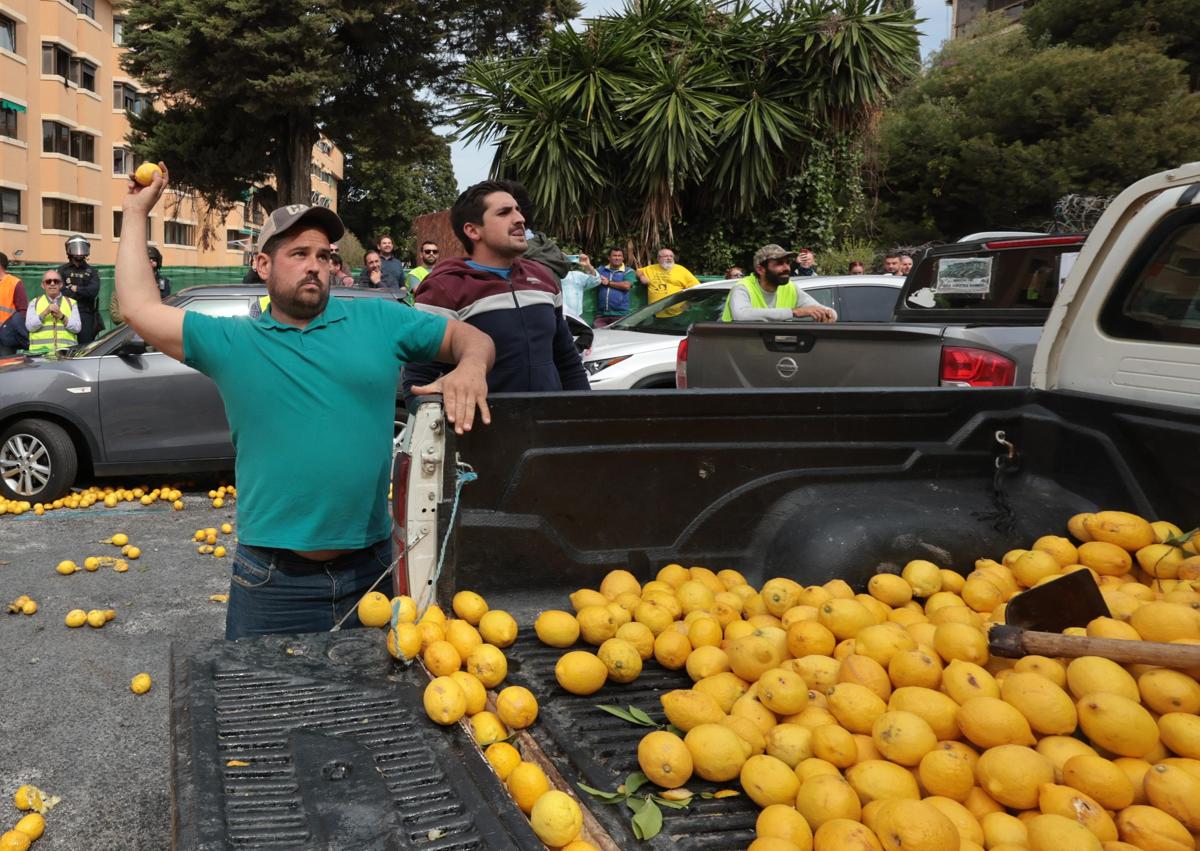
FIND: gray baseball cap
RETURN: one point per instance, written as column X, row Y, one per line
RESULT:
column 771, row 252
column 288, row 217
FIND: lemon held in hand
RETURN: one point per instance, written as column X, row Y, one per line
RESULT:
column 144, row 175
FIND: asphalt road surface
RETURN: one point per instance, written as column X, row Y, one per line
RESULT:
column 69, row 723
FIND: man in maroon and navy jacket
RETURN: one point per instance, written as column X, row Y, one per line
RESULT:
column 517, row 302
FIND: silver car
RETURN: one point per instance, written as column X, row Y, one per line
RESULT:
column 118, row 407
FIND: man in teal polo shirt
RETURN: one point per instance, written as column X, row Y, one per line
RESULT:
column 313, row 525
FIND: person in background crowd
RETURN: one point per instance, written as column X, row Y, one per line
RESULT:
column 575, row 282
column 768, row 295
column 339, row 275
column 391, row 267
column 891, row 263
column 734, row 272
column 371, row 276
column 251, row 276
column 81, row 282
column 856, row 268
column 612, row 301
column 906, row 264
column 429, row 256
column 804, row 264
column 497, row 289
column 161, row 281
column 53, row 320
column 666, row 278
column 14, row 301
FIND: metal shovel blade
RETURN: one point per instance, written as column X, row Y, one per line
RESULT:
column 1073, row 600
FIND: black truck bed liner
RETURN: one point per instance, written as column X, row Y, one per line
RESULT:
column 339, row 753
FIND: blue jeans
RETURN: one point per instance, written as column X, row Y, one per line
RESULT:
column 277, row 591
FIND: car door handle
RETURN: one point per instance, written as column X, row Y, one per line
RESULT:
column 792, row 343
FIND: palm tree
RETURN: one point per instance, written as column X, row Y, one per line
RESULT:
column 691, row 108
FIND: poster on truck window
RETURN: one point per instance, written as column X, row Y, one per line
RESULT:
column 963, row 276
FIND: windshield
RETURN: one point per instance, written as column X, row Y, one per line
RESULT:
column 690, row 306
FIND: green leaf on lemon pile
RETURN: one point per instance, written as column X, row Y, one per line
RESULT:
column 635, row 781
column 607, row 797
column 647, row 818
column 633, row 715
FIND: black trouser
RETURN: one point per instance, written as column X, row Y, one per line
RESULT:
column 90, row 322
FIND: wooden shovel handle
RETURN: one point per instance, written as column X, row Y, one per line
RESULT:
column 1119, row 650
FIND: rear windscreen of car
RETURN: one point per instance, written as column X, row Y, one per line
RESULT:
column 996, row 280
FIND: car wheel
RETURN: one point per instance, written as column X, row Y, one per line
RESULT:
column 38, row 461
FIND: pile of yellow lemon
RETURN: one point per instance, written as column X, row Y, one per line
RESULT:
column 95, row 618
column 207, row 540
column 23, row 605
column 879, row 720
column 465, row 657
column 219, row 495
column 36, row 803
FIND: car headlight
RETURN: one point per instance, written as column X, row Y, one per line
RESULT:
column 594, row 366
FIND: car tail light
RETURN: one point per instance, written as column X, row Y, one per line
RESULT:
column 681, row 365
column 964, row 367
column 400, row 467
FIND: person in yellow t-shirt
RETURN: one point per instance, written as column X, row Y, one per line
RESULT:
column 666, row 278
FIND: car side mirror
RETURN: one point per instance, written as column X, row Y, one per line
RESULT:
column 132, row 347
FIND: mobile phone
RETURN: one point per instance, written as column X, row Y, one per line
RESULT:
column 574, row 258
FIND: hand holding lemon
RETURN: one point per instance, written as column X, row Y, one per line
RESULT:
column 144, row 175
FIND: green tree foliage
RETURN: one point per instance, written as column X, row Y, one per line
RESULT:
column 690, row 111
column 246, row 87
column 1172, row 24
column 998, row 130
column 385, row 195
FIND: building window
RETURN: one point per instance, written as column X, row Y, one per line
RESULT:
column 10, row 207
column 56, row 60
column 83, row 74
column 58, row 214
column 8, row 121
column 128, row 98
column 83, row 146
column 56, row 138
column 118, row 30
column 86, row 7
column 177, row 233
column 123, row 162
column 8, row 34
column 119, row 218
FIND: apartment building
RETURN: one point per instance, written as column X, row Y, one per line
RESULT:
column 64, row 159
column 966, row 12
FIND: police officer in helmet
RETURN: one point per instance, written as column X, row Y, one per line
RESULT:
column 81, row 282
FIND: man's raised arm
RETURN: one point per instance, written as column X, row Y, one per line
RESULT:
column 160, row 325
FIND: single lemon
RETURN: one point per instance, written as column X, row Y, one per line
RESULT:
column 140, row 684
column 144, row 175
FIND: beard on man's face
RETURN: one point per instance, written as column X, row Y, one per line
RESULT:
column 301, row 300
column 777, row 278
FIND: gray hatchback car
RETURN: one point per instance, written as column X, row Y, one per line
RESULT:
column 118, row 407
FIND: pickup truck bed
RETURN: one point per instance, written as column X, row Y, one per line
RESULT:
column 809, row 485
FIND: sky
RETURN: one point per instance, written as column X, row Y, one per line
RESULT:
column 471, row 163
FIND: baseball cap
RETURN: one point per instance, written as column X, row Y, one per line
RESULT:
column 288, row 217
column 771, row 252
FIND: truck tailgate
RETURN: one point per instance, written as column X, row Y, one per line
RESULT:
column 795, row 354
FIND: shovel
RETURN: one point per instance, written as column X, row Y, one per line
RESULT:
column 1035, row 619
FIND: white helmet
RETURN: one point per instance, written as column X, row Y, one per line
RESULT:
column 77, row 246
